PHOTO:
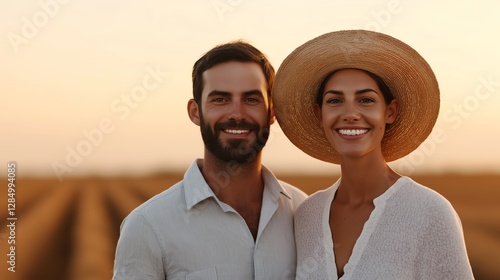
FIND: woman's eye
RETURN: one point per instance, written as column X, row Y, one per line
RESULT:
column 333, row 101
column 366, row 100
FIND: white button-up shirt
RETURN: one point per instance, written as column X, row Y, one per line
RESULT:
column 185, row 232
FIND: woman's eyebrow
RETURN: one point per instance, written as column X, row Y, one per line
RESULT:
column 360, row 91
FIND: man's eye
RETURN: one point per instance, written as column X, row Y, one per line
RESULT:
column 218, row 99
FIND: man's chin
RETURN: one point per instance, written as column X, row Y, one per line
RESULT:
column 236, row 144
column 240, row 154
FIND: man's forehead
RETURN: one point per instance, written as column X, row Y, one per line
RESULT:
column 233, row 67
column 234, row 77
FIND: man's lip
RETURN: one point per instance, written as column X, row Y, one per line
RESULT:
column 236, row 131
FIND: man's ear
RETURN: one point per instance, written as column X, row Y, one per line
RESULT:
column 193, row 111
column 272, row 116
column 391, row 111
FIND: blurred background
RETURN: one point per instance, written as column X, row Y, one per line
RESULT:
column 93, row 112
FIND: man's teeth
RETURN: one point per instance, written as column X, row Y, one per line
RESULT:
column 352, row 132
column 237, row 131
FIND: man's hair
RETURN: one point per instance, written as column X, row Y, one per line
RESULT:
column 233, row 51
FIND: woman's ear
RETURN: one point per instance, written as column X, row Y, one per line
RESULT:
column 391, row 111
column 317, row 112
column 193, row 111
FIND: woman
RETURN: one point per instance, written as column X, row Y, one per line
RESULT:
column 361, row 99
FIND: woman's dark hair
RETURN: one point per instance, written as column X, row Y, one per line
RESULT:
column 386, row 92
column 233, row 51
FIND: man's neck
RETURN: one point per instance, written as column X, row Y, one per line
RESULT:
column 240, row 186
column 236, row 184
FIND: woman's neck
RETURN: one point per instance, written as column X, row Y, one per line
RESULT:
column 364, row 179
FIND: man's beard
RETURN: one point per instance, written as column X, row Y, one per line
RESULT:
column 239, row 150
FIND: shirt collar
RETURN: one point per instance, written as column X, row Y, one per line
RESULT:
column 272, row 183
column 196, row 188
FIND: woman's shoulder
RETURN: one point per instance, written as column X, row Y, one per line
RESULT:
column 316, row 202
column 422, row 193
column 423, row 199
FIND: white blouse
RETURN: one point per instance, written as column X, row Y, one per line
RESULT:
column 413, row 233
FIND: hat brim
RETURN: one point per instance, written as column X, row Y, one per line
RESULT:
column 406, row 73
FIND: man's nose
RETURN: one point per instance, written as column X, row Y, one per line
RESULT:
column 236, row 111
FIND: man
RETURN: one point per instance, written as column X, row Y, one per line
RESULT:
column 229, row 218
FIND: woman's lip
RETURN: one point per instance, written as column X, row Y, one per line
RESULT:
column 352, row 131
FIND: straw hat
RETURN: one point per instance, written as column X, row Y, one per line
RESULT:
column 405, row 72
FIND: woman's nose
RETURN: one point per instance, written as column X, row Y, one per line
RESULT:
column 351, row 112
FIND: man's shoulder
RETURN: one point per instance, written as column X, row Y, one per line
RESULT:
column 293, row 190
column 295, row 194
column 162, row 202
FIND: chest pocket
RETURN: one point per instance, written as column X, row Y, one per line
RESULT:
column 206, row 274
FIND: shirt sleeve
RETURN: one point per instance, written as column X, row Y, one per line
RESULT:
column 444, row 252
column 138, row 254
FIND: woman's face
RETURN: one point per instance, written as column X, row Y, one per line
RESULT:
column 354, row 114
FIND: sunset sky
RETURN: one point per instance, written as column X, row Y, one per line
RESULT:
column 101, row 87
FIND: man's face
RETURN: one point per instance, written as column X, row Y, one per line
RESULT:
column 235, row 114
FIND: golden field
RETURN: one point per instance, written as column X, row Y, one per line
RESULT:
column 69, row 229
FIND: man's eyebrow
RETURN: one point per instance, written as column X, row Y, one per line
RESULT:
column 253, row 92
column 225, row 93
column 219, row 93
